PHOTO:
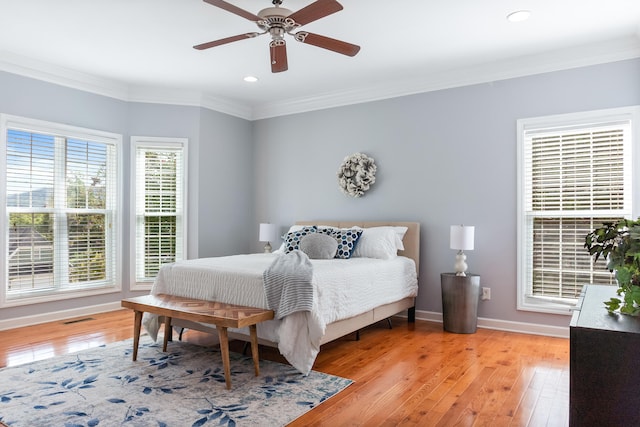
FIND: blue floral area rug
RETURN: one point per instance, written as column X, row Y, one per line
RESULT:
column 183, row 387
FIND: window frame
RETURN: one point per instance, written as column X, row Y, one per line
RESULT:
column 158, row 143
column 114, row 282
column 578, row 120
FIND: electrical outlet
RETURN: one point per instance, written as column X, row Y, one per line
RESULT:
column 486, row 293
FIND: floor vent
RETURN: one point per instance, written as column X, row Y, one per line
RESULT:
column 86, row 319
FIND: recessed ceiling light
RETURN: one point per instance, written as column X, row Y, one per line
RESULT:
column 250, row 79
column 519, row 15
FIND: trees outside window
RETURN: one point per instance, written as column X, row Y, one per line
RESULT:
column 61, row 197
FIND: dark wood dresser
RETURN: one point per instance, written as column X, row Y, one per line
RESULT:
column 605, row 363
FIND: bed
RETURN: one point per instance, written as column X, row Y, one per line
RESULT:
column 348, row 294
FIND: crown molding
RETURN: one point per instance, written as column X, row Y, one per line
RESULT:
column 39, row 70
column 563, row 59
column 226, row 106
column 580, row 56
column 155, row 95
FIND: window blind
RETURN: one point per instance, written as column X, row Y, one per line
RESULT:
column 576, row 178
column 61, row 195
column 160, row 193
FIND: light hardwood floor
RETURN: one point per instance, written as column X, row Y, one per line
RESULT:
column 413, row 374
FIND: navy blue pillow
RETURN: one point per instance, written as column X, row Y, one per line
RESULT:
column 292, row 240
column 347, row 239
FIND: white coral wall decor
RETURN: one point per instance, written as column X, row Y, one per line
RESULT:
column 356, row 174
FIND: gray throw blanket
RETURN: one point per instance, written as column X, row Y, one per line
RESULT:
column 287, row 284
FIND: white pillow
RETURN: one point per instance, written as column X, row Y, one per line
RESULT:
column 368, row 248
column 400, row 232
column 292, row 229
column 380, row 242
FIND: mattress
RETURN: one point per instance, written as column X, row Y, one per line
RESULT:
column 343, row 288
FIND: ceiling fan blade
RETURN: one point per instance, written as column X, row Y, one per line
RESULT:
column 226, row 40
column 316, row 10
column 327, row 43
column 234, row 9
column 278, row 57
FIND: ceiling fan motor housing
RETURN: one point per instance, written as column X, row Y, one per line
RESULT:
column 274, row 11
column 275, row 18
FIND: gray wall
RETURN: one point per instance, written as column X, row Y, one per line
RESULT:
column 226, row 186
column 445, row 157
column 217, row 144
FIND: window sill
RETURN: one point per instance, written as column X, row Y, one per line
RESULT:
column 541, row 306
column 61, row 295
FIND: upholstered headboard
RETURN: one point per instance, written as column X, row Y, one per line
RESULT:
column 411, row 239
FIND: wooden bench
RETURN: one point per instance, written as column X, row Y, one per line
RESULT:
column 222, row 315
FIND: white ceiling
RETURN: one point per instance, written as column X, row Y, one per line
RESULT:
column 141, row 50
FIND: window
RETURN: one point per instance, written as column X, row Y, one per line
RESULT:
column 159, row 197
column 60, row 190
column 575, row 172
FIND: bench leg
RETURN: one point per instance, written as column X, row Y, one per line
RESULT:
column 254, row 348
column 167, row 332
column 171, row 332
column 137, row 323
column 224, row 349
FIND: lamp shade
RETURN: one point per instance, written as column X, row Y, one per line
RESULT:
column 268, row 232
column 462, row 237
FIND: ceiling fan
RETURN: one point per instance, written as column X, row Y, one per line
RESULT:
column 278, row 21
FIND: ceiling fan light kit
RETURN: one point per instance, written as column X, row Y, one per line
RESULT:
column 277, row 22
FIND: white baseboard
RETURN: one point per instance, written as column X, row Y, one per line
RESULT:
column 430, row 316
column 35, row 319
column 504, row 325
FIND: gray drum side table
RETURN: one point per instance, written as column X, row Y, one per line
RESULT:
column 460, row 295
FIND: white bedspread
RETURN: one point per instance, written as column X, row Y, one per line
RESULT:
column 342, row 289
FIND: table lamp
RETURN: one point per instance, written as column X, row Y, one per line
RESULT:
column 268, row 233
column 461, row 239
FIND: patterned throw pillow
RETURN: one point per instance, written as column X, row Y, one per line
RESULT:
column 319, row 246
column 347, row 239
column 292, row 239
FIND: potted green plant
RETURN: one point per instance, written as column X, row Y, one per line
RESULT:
column 619, row 244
